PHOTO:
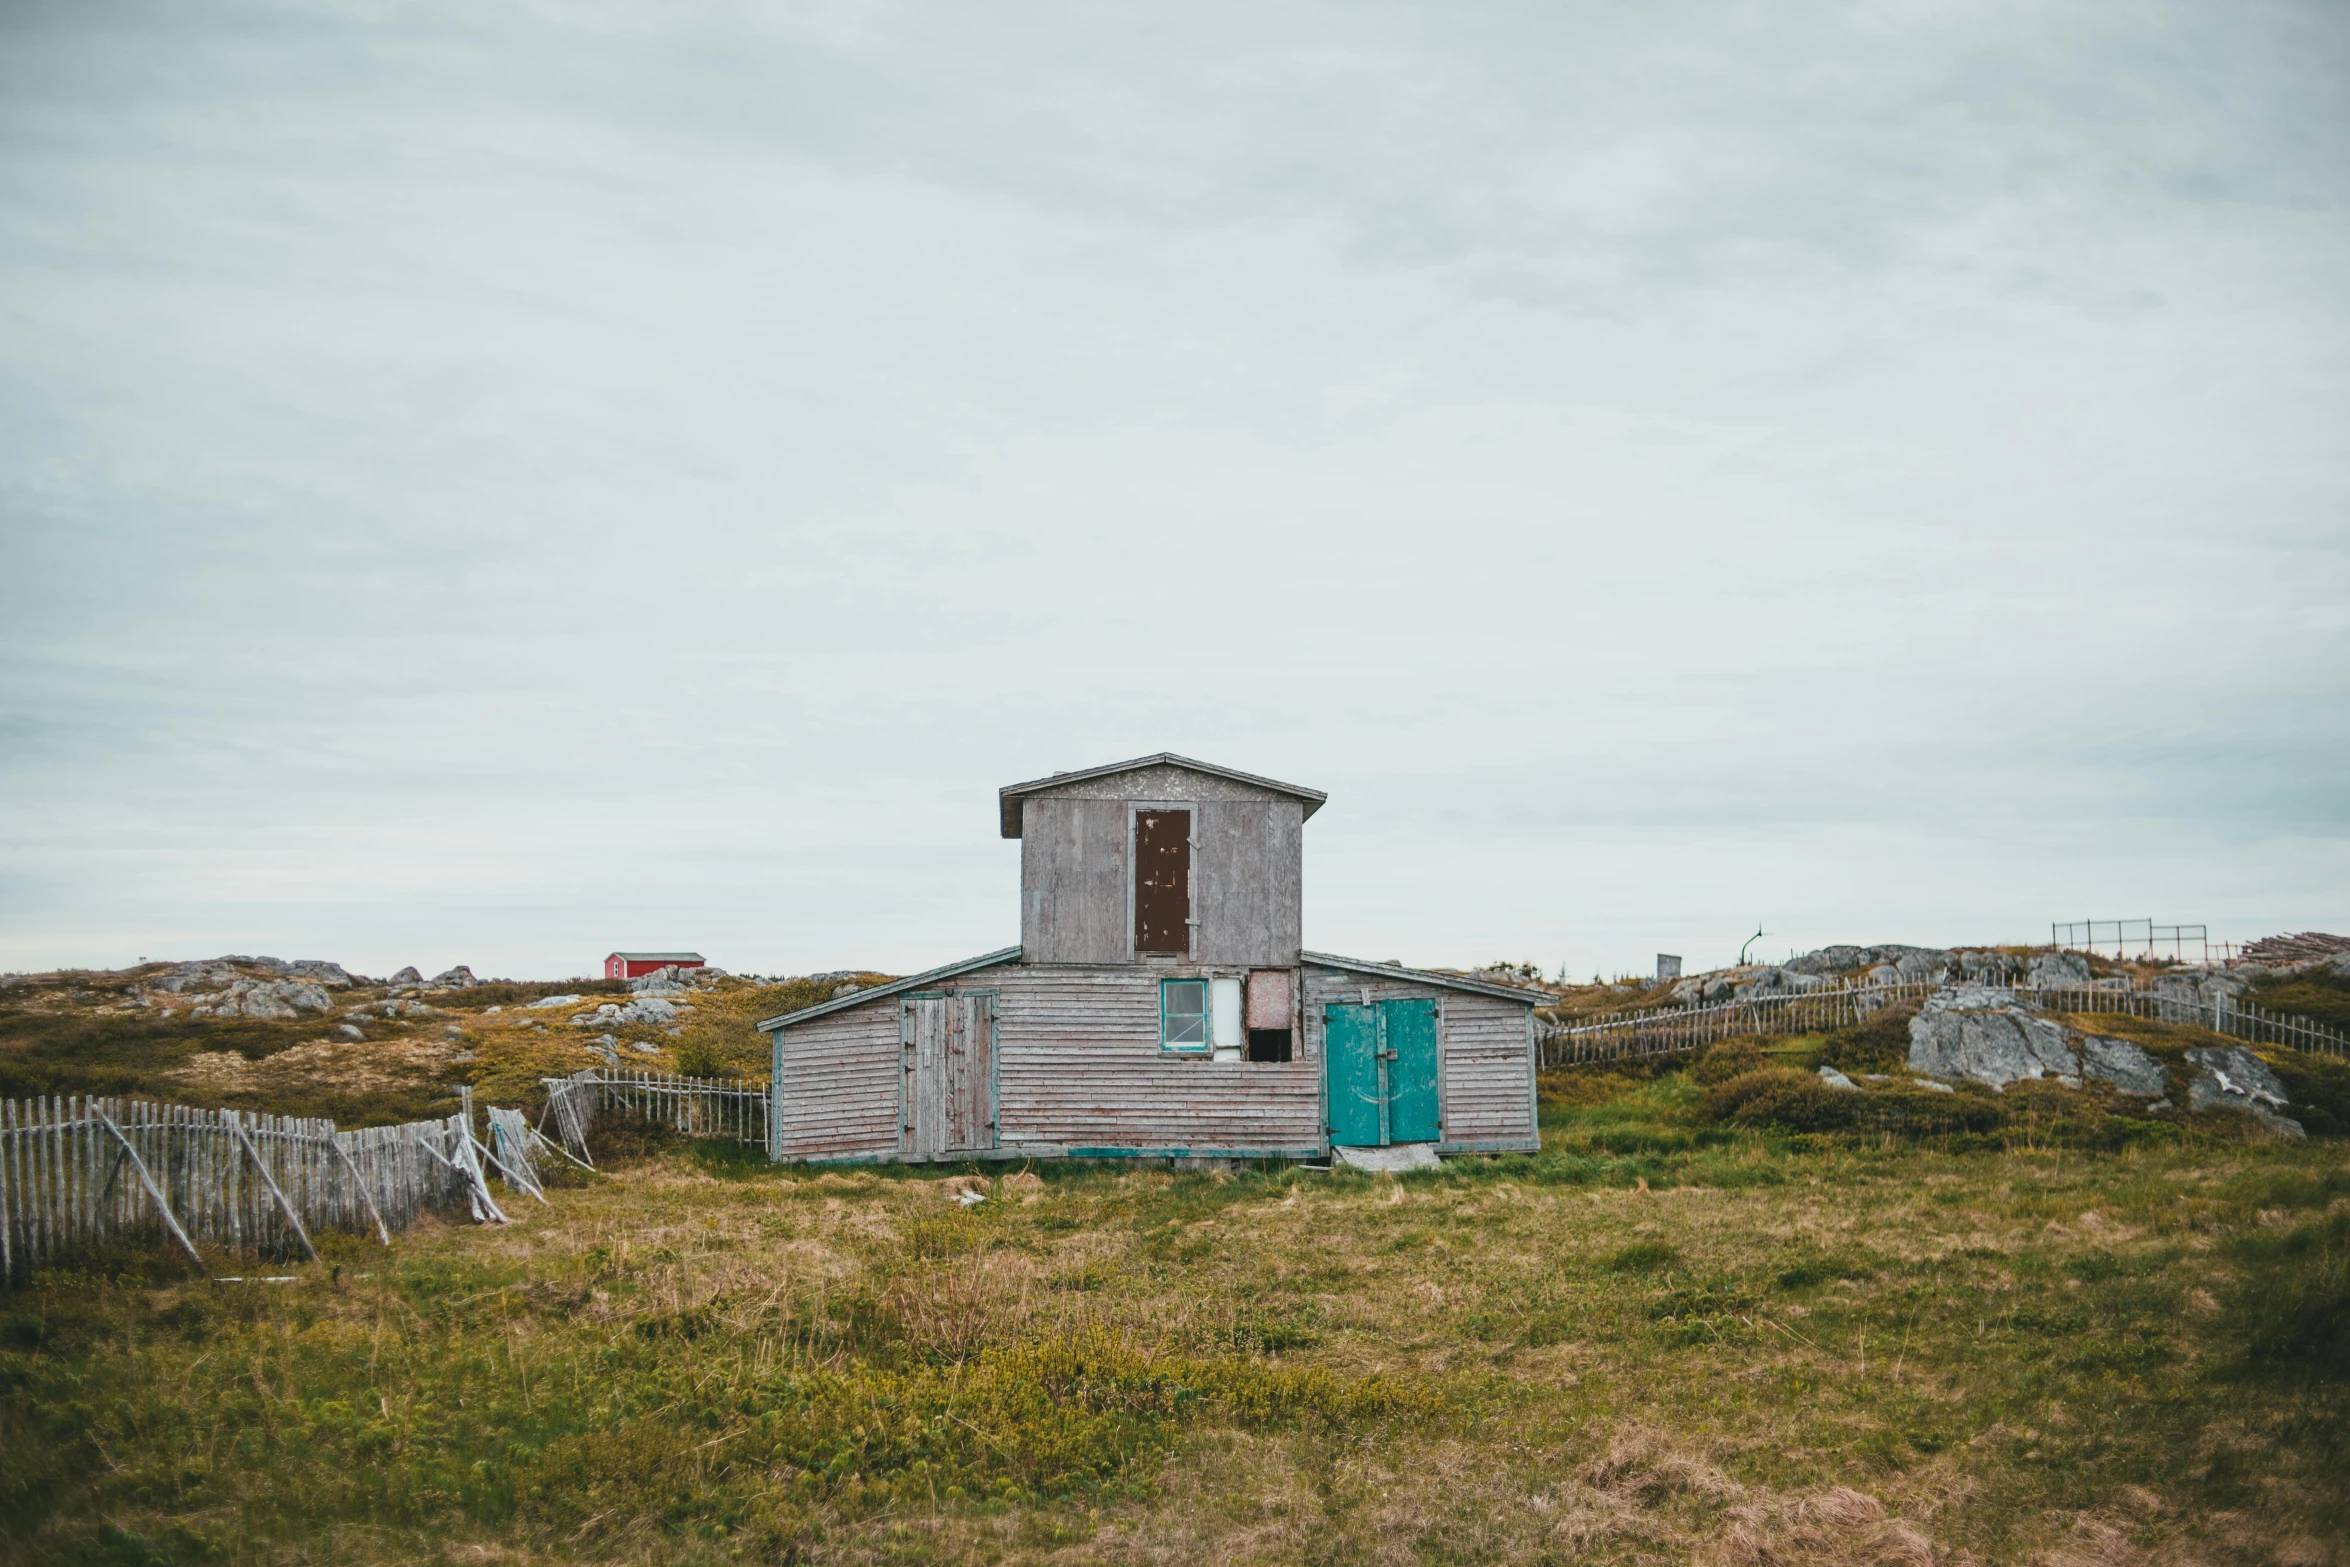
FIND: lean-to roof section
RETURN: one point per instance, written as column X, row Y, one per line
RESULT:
column 1477, row 987
column 1012, row 796
column 894, row 987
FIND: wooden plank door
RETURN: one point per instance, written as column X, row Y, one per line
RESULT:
column 1380, row 1068
column 967, row 1074
column 1162, row 881
column 1408, row 1043
column 947, row 1098
column 1358, row 1099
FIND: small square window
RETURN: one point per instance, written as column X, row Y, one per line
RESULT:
column 1183, row 1015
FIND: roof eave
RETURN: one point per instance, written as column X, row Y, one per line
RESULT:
column 894, row 987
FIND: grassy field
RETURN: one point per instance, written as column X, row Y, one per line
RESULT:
column 2061, row 1336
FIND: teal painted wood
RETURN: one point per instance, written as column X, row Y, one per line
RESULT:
column 1409, row 1048
column 1358, row 1106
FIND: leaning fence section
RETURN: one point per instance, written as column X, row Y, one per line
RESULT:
column 77, row 1171
column 1672, row 1030
column 721, row 1109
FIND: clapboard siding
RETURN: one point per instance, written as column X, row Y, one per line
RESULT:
column 1078, row 1066
column 1485, row 1050
column 837, row 1088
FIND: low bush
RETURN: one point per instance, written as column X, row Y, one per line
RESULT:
column 1879, row 1045
column 2318, row 1090
column 1731, row 1058
column 1782, row 1097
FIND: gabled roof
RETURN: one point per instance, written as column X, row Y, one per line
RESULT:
column 894, row 987
column 1475, row 987
column 1012, row 796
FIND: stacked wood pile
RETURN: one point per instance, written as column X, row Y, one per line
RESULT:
column 2294, row 949
column 77, row 1172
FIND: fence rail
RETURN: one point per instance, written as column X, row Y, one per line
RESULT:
column 77, row 1171
column 724, row 1109
column 1670, row 1030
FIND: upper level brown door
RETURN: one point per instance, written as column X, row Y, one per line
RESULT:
column 1162, row 881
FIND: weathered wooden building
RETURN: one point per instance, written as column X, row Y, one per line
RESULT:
column 1160, row 1004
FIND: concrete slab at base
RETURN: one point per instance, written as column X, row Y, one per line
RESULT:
column 1402, row 1156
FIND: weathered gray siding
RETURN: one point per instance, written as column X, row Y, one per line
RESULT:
column 1078, row 1069
column 1485, row 1056
column 1075, row 906
column 1246, row 887
column 1079, row 1066
column 1076, row 871
column 839, row 1085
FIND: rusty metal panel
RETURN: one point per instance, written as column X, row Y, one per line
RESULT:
column 1272, row 998
column 1162, row 881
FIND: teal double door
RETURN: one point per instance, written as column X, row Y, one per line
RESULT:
column 1382, row 1072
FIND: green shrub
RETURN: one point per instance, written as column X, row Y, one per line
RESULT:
column 1785, row 1098
column 1731, row 1058
column 2318, row 1088
column 1879, row 1045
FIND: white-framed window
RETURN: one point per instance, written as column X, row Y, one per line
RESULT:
column 1183, row 1016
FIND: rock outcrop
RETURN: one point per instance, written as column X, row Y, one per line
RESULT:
column 1982, row 1035
column 643, row 1009
column 2229, row 1077
column 406, row 976
column 277, row 999
column 457, row 978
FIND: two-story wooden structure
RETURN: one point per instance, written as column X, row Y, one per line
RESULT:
column 1159, row 1004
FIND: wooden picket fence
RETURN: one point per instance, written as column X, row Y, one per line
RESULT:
column 722, row 1109
column 76, row 1172
column 1670, row 1030
column 2237, row 1019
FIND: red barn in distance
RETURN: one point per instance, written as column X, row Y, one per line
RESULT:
column 628, row 965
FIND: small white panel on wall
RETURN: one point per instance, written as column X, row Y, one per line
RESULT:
column 1224, row 1018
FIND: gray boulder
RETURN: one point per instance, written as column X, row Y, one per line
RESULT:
column 406, row 976
column 2229, row 1077
column 1835, row 1079
column 1978, row 1034
column 457, row 978
column 276, row 999
column 640, row 1009
column 2125, row 1065
column 548, row 1003
column 2060, row 968
column 1981, row 1035
column 184, row 977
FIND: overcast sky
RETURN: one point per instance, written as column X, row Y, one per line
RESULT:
column 497, row 483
